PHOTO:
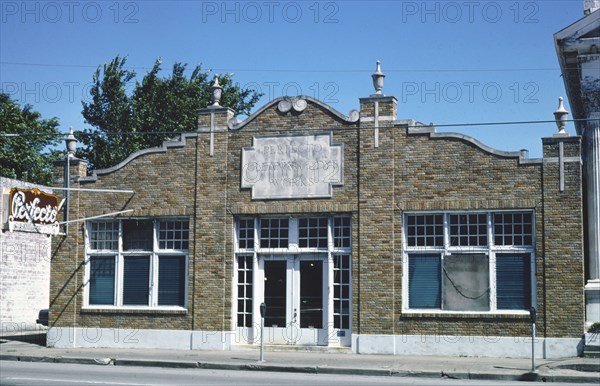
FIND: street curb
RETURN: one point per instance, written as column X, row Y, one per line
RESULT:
column 72, row 360
column 351, row 371
column 156, row 363
column 535, row 377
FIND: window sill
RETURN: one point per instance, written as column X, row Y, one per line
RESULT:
column 416, row 314
column 135, row 310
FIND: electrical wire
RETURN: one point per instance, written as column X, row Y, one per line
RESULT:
column 341, row 128
column 279, row 70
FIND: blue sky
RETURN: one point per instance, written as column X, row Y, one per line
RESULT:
column 447, row 62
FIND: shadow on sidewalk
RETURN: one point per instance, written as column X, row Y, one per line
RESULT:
column 34, row 337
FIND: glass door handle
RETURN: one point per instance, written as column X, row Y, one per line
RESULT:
column 295, row 315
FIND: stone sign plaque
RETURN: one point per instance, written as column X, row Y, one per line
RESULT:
column 294, row 166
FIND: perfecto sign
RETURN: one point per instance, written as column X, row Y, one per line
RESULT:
column 33, row 211
column 296, row 166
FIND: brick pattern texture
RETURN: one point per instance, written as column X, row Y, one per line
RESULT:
column 405, row 172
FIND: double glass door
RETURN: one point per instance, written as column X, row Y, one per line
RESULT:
column 295, row 292
column 307, row 298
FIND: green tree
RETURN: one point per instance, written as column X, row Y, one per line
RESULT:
column 25, row 142
column 126, row 121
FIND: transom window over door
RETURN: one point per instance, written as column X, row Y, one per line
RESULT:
column 290, row 235
column 312, row 232
column 469, row 262
column 274, row 233
column 137, row 262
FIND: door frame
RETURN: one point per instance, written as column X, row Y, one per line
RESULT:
column 292, row 333
column 327, row 335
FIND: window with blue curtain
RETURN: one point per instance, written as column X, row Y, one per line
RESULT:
column 513, row 281
column 171, row 280
column 454, row 258
column 424, row 272
column 122, row 253
column 136, row 272
column 102, row 280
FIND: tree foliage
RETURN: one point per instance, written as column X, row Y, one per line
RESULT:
column 127, row 120
column 25, row 142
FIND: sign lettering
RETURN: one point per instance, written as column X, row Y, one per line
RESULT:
column 301, row 166
column 33, row 211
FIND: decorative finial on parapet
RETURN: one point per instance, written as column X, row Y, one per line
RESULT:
column 71, row 143
column 560, row 117
column 378, row 79
column 217, row 91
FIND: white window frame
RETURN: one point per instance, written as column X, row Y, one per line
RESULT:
column 293, row 248
column 490, row 250
column 341, row 284
column 248, row 296
column 120, row 256
column 293, row 236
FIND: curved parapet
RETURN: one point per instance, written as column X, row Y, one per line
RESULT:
column 166, row 145
column 298, row 105
column 284, row 104
column 419, row 128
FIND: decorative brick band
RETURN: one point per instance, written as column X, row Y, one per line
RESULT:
column 125, row 311
column 467, row 204
column 273, row 208
column 458, row 317
column 183, row 210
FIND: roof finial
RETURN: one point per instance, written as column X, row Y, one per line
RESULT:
column 378, row 79
column 217, row 91
column 71, row 142
column 560, row 116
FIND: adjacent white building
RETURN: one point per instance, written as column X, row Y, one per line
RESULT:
column 578, row 50
column 24, row 257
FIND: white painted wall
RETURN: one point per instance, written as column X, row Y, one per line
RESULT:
column 24, row 271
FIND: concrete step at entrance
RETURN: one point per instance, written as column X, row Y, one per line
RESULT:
column 591, row 351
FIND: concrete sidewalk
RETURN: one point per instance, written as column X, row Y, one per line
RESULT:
column 29, row 347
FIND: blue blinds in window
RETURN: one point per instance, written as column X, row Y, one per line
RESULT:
column 513, row 282
column 171, row 271
column 102, row 280
column 136, row 272
column 424, row 281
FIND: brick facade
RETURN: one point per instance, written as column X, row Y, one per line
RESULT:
column 391, row 167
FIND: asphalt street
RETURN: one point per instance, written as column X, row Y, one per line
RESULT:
column 15, row 373
column 25, row 360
